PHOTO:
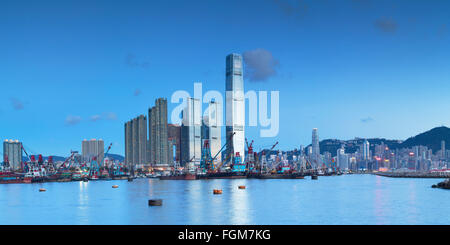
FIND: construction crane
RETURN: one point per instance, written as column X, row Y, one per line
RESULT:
column 310, row 168
column 188, row 167
column 25, row 167
column 94, row 169
column 63, row 165
column 216, row 168
column 206, row 160
column 250, row 159
column 263, row 164
column 104, row 169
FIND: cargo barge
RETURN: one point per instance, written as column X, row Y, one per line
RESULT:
column 275, row 176
column 185, row 176
column 4, row 179
column 226, row 175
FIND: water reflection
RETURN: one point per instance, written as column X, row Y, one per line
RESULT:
column 412, row 210
column 239, row 202
column 83, row 202
column 194, row 207
column 355, row 199
column 379, row 201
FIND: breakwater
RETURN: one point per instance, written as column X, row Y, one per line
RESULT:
column 414, row 174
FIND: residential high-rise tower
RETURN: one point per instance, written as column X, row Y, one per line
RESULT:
column 12, row 154
column 136, row 141
column 158, row 136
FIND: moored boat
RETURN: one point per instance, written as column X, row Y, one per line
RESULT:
column 226, row 175
column 183, row 176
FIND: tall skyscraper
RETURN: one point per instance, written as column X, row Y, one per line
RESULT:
column 315, row 145
column 191, row 133
column 128, row 143
column 342, row 159
column 235, row 105
column 142, row 139
column 136, row 141
column 93, row 148
column 12, row 154
column 442, row 149
column 366, row 150
column 158, row 136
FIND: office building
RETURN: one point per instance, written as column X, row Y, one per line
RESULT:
column 366, row 150
column 191, row 133
column 315, row 146
column 342, row 159
column 235, row 105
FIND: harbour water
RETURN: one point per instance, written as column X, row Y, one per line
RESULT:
column 346, row 199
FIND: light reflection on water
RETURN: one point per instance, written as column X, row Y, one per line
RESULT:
column 351, row 199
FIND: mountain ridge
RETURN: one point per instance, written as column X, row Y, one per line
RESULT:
column 431, row 138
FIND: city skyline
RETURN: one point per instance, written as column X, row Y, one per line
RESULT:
column 60, row 86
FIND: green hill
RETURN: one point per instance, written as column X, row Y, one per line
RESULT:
column 432, row 139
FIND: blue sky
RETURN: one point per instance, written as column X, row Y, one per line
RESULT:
column 71, row 70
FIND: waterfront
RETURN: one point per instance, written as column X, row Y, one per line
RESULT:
column 346, row 199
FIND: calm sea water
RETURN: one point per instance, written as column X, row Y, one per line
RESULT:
column 347, row 199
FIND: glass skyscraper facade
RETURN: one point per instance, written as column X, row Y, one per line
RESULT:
column 235, row 106
column 191, row 152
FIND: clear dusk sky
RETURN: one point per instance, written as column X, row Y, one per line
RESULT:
column 71, row 70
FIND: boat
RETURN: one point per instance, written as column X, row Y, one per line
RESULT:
column 93, row 177
column 154, row 176
column 13, row 178
column 119, row 177
column 180, row 176
column 104, row 174
column 226, row 175
column 276, row 176
column 34, row 173
column 236, row 171
column 77, row 175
